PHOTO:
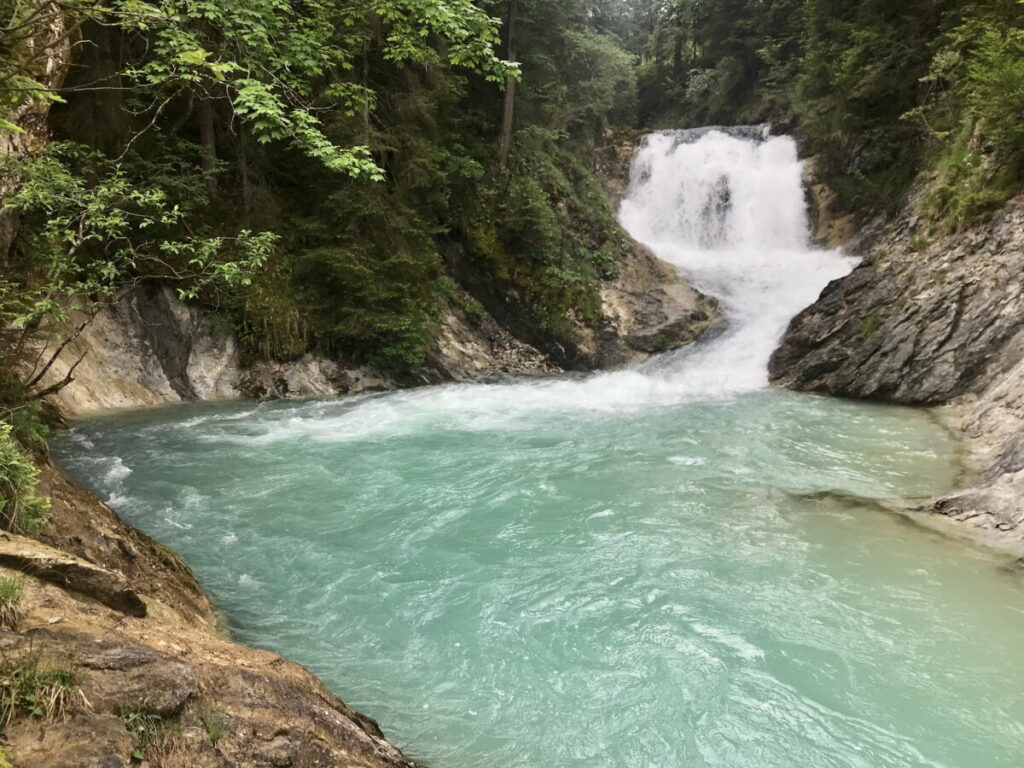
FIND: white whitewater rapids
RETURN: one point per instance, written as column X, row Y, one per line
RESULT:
column 726, row 206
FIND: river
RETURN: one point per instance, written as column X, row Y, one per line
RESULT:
column 675, row 566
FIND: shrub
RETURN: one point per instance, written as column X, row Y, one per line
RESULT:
column 21, row 510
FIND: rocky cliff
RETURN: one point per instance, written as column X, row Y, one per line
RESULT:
column 932, row 320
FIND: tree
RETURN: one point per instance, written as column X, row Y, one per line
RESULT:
column 99, row 221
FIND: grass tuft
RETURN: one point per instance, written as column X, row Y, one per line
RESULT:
column 11, row 589
column 33, row 686
column 213, row 723
column 157, row 739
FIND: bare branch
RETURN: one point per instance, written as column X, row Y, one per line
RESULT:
column 53, row 388
column 60, row 348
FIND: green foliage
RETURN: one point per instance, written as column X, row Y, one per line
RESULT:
column 295, row 163
column 37, row 687
column 213, row 724
column 21, row 510
column 11, row 590
column 99, row 224
column 995, row 88
column 975, row 114
column 142, row 200
column 872, row 322
column 266, row 57
column 544, row 229
column 879, row 91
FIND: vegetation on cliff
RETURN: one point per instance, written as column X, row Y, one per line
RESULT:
column 322, row 173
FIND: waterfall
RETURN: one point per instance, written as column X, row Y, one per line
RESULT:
column 727, row 207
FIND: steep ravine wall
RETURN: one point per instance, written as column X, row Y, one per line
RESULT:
column 935, row 321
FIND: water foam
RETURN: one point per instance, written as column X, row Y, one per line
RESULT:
column 727, row 207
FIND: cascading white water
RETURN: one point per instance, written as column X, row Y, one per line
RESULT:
column 727, row 207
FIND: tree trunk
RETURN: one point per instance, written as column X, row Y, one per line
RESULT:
column 366, row 92
column 508, row 109
column 208, row 141
column 245, row 176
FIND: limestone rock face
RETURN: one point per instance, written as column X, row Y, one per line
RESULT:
column 926, row 321
column 915, row 324
column 47, row 564
column 650, row 308
column 166, row 685
column 149, row 348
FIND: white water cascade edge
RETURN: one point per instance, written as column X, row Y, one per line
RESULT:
column 727, row 207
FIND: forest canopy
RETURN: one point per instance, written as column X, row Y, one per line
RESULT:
column 312, row 168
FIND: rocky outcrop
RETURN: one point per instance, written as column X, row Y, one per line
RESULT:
column 150, row 348
column 647, row 308
column 151, row 677
column 71, row 573
column 928, row 320
column 650, row 308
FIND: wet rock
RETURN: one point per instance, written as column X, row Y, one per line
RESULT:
column 916, row 323
column 650, row 309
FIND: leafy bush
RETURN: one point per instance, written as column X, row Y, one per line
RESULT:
column 544, row 228
column 21, row 510
column 976, row 114
column 994, row 89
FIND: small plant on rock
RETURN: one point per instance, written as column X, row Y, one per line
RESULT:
column 21, row 510
column 39, row 688
column 11, row 588
column 213, row 723
column 157, row 738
